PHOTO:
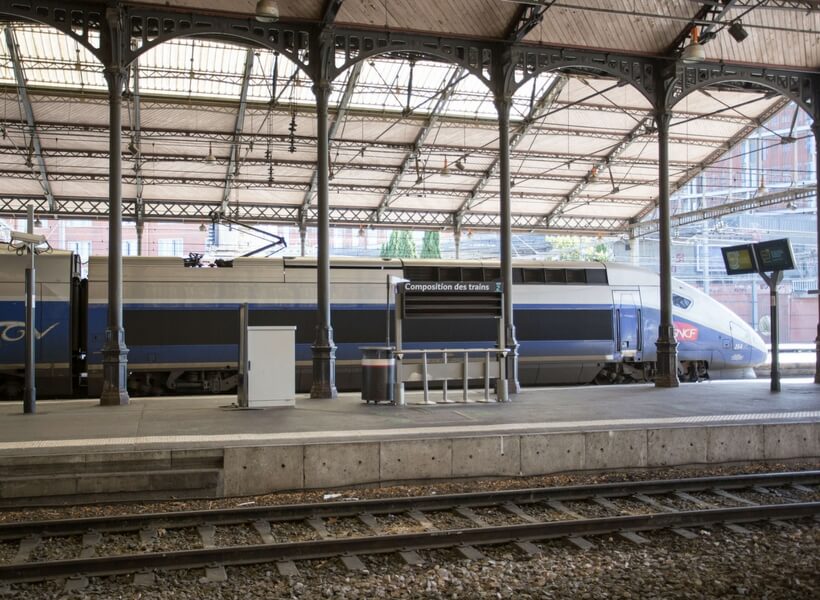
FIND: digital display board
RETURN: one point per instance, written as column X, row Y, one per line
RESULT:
column 739, row 260
column 774, row 255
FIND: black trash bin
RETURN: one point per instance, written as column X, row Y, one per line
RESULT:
column 378, row 373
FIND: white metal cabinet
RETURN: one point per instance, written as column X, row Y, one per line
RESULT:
column 270, row 367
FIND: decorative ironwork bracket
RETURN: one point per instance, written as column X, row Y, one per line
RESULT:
column 354, row 45
column 531, row 61
column 801, row 88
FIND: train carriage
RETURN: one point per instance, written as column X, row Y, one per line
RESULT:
column 576, row 322
column 59, row 323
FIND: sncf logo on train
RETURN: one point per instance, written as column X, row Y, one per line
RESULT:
column 685, row 332
column 452, row 287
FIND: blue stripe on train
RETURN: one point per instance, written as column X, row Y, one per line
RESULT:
column 711, row 345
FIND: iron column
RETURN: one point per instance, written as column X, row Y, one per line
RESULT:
column 114, row 351
column 816, row 129
column 667, row 361
column 502, row 105
column 324, row 350
column 30, row 391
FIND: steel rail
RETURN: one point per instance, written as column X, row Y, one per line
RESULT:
column 295, row 512
column 380, row 544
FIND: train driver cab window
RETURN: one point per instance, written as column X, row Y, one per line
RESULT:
column 681, row 302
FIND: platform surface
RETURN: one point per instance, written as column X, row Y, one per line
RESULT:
column 211, row 421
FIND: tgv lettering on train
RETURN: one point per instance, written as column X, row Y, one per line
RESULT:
column 14, row 331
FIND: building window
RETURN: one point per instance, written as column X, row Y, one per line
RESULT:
column 83, row 249
column 171, row 247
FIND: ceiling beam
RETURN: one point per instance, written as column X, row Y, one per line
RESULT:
column 330, row 11
column 543, row 104
column 643, row 127
column 683, row 35
column 527, row 18
column 286, row 108
column 148, row 158
column 341, row 112
column 35, row 150
column 710, row 160
column 715, row 212
column 175, row 211
column 259, row 182
column 135, row 130
column 232, row 170
column 412, row 157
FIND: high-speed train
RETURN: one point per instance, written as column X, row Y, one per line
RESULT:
column 576, row 322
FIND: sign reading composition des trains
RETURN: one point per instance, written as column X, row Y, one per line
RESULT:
column 451, row 287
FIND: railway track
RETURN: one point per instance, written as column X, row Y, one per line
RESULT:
column 407, row 526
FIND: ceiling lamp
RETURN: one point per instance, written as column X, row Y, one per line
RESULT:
column 737, row 31
column 39, row 223
column 460, row 164
column 132, row 148
column 694, row 52
column 203, row 227
column 267, row 11
column 210, row 158
column 445, row 170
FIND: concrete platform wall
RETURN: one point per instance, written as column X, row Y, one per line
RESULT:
column 255, row 470
column 89, row 476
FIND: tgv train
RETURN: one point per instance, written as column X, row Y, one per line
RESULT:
column 576, row 322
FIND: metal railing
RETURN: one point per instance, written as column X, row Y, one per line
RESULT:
column 444, row 370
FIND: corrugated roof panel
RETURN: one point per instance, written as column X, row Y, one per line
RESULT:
column 482, row 18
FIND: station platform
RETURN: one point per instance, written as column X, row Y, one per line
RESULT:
column 71, row 450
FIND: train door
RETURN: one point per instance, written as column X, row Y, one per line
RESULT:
column 627, row 305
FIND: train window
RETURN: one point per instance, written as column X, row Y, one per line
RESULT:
column 596, row 276
column 518, row 275
column 555, row 275
column 472, row 274
column 533, row 275
column 681, row 302
column 492, row 274
column 449, row 274
column 420, row 273
column 576, row 276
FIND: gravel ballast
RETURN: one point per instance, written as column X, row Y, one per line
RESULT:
column 772, row 561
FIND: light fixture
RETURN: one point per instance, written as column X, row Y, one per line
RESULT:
column 694, row 52
column 210, row 158
column 460, row 164
column 445, row 170
column 203, row 227
column 267, row 11
column 791, row 205
column 39, row 223
column 761, row 189
column 27, row 238
column 737, row 31
column 132, row 147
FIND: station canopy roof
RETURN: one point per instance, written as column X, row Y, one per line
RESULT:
column 414, row 141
